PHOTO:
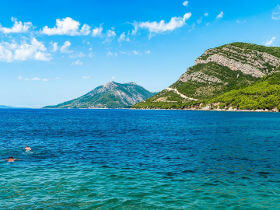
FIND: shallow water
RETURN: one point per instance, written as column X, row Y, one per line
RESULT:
column 139, row 159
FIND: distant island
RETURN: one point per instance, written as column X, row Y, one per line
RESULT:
column 110, row 95
column 7, row 107
column 237, row 76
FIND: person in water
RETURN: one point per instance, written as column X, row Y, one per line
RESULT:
column 27, row 148
column 11, row 159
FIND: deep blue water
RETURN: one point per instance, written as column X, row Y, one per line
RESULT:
column 139, row 159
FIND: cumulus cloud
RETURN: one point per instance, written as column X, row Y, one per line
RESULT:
column 220, row 15
column 67, row 26
column 110, row 53
column 276, row 13
column 97, row 31
column 54, row 46
column 206, row 14
column 123, row 37
column 18, row 27
column 65, row 47
column 77, row 55
column 111, row 33
column 85, row 30
column 185, row 3
column 33, row 79
column 270, row 41
column 77, row 63
column 135, row 52
column 162, row 26
column 34, row 50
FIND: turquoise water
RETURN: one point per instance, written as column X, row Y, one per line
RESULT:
column 139, row 159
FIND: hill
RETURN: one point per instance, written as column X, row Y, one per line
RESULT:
column 110, row 95
column 263, row 95
column 5, row 107
column 220, row 71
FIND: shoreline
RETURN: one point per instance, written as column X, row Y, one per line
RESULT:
column 207, row 110
column 213, row 110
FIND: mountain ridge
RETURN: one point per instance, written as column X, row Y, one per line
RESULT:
column 109, row 95
column 218, row 71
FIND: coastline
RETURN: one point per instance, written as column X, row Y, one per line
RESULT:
column 185, row 109
column 214, row 110
column 206, row 110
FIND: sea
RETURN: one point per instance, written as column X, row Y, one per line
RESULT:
column 139, row 159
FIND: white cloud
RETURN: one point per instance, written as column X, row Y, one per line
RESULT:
column 110, row 53
column 270, row 42
column 33, row 79
column 77, row 55
column 78, row 63
column 185, row 3
column 97, row 31
column 220, row 15
column 67, row 26
column 18, row 27
column 41, row 56
column 85, row 30
column 54, row 47
column 135, row 52
column 162, row 26
column 276, row 13
column 86, row 77
column 65, row 47
column 240, row 21
column 34, row 50
column 206, row 14
column 7, row 52
column 123, row 37
column 134, row 31
column 111, row 33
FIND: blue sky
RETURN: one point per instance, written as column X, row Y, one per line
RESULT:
column 52, row 51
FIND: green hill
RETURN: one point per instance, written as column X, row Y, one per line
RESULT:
column 110, row 95
column 263, row 95
column 221, row 73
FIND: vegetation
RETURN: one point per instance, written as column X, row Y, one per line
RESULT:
column 229, row 80
column 199, row 90
column 228, row 89
column 111, row 95
column 275, row 51
column 262, row 95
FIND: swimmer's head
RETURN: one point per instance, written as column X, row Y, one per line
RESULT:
column 11, row 157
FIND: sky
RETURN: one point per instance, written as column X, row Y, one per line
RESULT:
column 56, row 50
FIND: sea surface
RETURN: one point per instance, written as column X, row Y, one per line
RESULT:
column 139, row 159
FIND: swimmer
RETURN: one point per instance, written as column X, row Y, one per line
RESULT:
column 11, row 159
column 27, row 148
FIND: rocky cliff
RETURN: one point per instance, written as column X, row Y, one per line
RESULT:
column 218, row 71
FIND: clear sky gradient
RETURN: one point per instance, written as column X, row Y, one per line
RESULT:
column 56, row 50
